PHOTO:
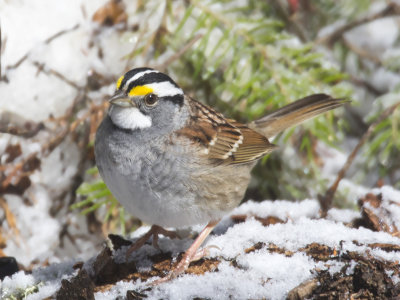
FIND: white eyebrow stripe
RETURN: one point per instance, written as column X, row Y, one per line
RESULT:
column 165, row 89
column 138, row 75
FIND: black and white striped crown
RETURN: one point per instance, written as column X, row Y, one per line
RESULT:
column 143, row 81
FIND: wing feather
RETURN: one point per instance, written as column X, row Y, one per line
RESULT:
column 224, row 140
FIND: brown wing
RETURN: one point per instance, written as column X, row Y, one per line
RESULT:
column 254, row 145
column 223, row 139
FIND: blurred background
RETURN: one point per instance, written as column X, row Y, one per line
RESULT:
column 60, row 60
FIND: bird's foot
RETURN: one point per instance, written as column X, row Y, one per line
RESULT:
column 154, row 231
column 192, row 254
column 203, row 252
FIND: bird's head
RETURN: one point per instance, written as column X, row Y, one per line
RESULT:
column 145, row 98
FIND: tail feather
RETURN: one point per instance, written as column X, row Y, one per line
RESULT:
column 295, row 113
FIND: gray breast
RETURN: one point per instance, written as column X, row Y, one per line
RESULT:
column 145, row 176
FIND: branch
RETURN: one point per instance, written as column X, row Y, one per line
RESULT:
column 361, row 52
column 11, row 219
column 177, row 55
column 15, row 124
column 48, row 71
column 291, row 20
column 327, row 199
column 392, row 9
column 46, row 41
column 60, row 33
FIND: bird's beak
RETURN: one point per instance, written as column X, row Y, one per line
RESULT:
column 120, row 99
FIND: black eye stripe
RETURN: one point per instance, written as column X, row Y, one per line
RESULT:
column 150, row 78
column 128, row 75
column 178, row 99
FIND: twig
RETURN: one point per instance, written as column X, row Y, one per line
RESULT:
column 14, row 124
column 84, row 12
column 60, row 33
column 326, row 200
column 361, row 52
column 392, row 9
column 18, row 63
column 41, row 68
column 10, row 217
column 131, row 55
column 296, row 27
column 46, row 41
column 177, row 55
column 365, row 84
column 161, row 30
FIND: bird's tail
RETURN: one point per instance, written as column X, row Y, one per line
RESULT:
column 295, row 113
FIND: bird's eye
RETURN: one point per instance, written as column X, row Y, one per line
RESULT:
column 150, row 99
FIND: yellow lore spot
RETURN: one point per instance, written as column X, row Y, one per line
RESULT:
column 119, row 82
column 140, row 90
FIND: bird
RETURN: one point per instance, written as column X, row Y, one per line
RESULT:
column 172, row 161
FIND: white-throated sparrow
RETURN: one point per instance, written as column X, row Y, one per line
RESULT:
column 172, row 161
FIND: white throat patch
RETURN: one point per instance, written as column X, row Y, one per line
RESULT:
column 129, row 117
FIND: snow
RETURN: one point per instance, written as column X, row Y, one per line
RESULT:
column 390, row 202
column 370, row 39
column 48, row 280
column 34, row 242
column 262, row 274
column 257, row 274
column 369, row 36
column 343, row 215
column 26, row 24
column 286, row 210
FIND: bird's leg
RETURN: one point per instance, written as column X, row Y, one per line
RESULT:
column 154, row 231
column 190, row 255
